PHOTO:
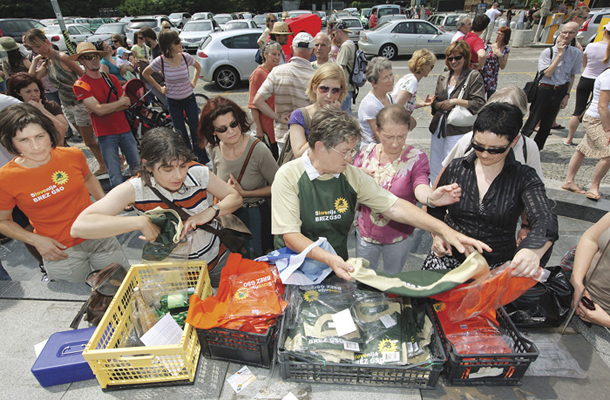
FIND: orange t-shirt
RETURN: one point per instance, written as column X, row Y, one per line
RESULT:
column 51, row 196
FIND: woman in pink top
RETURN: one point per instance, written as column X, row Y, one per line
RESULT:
column 174, row 64
column 403, row 170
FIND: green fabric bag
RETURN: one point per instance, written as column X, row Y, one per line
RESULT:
column 171, row 229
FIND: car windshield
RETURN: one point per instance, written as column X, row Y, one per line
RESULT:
column 260, row 19
column 381, row 26
column 236, row 25
column 366, row 12
column 53, row 29
column 206, row 41
column 176, row 15
column 353, row 23
column 197, row 26
column 222, row 19
column 109, row 28
column 141, row 24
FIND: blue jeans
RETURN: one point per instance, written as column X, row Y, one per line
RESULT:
column 4, row 276
column 177, row 110
column 53, row 96
column 347, row 103
column 109, row 145
column 258, row 220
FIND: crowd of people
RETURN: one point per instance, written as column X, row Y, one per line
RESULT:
column 309, row 169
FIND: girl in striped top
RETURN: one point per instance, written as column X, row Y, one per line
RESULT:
column 174, row 64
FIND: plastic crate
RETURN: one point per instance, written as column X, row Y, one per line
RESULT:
column 124, row 367
column 295, row 367
column 489, row 369
column 242, row 347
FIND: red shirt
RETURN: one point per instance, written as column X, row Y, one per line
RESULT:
column 104, row 125
column 476, row 44
column 256, row 80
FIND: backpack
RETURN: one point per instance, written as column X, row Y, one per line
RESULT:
column 357, row 77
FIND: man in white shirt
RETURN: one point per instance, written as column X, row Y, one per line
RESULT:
column 463, row 25
column 492, row 13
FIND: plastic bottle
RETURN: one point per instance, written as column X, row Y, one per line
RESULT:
column 147, row 315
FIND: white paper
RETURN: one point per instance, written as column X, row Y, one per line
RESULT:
column 38, row 347
column 351, row 346
column 241, row 379
column 165, row 332
column 388, row 321
column 344, row 323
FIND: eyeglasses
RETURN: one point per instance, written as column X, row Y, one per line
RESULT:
column 115, row 41
column 456, row 58
column 90, row 57
column 325, row 89
column 223, row 129
column 495, row 150
column 141, row 37
column 349, row 154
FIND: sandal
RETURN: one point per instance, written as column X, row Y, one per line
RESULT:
column 593, row 196
column 100, row 172
column 558, row 127
column 573, row 188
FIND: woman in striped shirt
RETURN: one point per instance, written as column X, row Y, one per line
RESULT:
column 174, row 64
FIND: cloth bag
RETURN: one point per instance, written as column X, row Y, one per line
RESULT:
column 461, row 116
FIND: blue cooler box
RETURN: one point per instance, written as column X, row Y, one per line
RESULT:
column 61, row 359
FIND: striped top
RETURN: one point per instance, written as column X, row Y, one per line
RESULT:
column 192, row 197
column 177, row 80
column 62, row 80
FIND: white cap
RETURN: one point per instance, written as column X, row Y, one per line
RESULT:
column 304, row 40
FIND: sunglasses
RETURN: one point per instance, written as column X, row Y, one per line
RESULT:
column 325, row 89
column 115, row 41
column 273, row 20
column 141, row 37
column 456, row 58
column 495, row 150
column 223, row 129
column 89, row 57
column 177, row 42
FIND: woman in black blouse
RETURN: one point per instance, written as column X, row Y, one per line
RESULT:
column 495, row 190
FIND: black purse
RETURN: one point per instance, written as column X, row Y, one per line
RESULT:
column 547, row 304
column 531, row 87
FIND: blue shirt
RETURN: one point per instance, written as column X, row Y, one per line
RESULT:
column 570, row 64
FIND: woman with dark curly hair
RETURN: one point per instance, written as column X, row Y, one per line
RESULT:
column 29, row 89
column 245, row 163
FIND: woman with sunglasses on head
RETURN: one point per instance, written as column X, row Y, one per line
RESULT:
column 118, row 40
column 326, row 87
column 246, row 164
column 496, row 189
column 448, row 88
column 166, row 167
column 402, row 170
column 140, row 50
column 264, row 38
column 379, row 74
column 174, row 64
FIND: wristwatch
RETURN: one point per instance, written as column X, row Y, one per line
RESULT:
column 215, row 207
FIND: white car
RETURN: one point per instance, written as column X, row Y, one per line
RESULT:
column 77, row 33
column 194, row 32
column 179, row 19
column 202, row 15
column 240, row 24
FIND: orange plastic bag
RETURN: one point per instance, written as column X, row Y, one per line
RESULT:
column 253, row 294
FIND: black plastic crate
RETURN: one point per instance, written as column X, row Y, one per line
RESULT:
column 505, row 369
column 241, row 347
column 295, row 367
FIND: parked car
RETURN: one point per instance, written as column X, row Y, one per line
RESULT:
column 446, row 22
column 77, row 33
column 354, row 25
column 588, row 30
column 202, row 15
column 227, row 58
column 390, row 17
column 385, row 9
column 296, row 13
column 322, row 15
column 53, row 21
column 240, row 24
column 222, row 19
column 16, row 27
column 104, row 32
column 95, row 23
column 403, row 37
column 364, row 16
column 153, row 22
column 194, row 32
column 179, row 19
column 260, row 19
column 245, row 15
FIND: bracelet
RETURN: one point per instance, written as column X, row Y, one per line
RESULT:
column 215, row 207
column 428, row 202
column 525, row 226
column 568, row 94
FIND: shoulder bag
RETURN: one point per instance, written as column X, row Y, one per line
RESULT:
column 531, row 87
column 287, row 153
column 461, row 116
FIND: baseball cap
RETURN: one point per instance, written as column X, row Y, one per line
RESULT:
column 122, row 50
column 340, row 25
column 304, row 40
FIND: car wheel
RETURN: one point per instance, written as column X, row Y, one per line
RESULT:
column 226, row 77
column 388, row 51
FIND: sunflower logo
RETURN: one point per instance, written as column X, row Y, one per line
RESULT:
column 241, row 294
column 311, row 295
column 341, row 205
column 59, row 177
column 440, row 306
column 387, row 346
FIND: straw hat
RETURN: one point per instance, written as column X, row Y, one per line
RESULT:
column 281, row 28
column 86, row 48
column 7, row 43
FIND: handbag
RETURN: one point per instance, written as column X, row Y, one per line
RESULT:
column 461, row 116
column 547, row 304
column 104, row 285
column 287, row 154
column 531, row 87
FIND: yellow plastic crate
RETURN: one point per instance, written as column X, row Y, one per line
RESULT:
column 117, row 367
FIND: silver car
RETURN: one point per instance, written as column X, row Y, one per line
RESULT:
column 194, row 32
column 355, row 25
column 228, row 57
column 588, row 31
column 77, row 33
column 403, row 37
column 240, row 24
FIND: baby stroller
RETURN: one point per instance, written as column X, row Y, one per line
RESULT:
column 141, row 113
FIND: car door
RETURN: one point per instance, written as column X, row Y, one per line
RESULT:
column 75, row 35
column 403, row 36
column 242, row 52
column 428, row 36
